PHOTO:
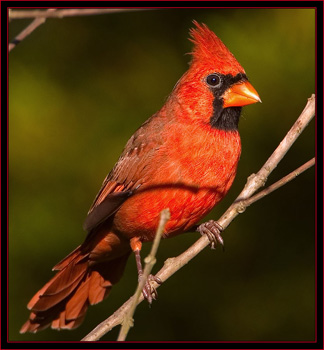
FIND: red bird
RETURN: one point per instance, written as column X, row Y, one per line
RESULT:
column 183, row 158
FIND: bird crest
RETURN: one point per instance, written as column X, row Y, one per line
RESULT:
column 210, row 51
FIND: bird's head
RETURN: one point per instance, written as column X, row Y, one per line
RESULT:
column 215, row 87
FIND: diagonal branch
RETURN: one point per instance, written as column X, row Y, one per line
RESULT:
column 254, row 182
column 279, row 183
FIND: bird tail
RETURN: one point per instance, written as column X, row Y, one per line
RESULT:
column 64, row 300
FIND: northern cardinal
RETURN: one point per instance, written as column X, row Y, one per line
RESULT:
column 183, row 158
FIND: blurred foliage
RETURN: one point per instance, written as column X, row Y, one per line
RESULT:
column 79, row 87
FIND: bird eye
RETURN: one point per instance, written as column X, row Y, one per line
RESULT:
column 213, row 80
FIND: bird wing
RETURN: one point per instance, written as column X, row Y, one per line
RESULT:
column 128, row 174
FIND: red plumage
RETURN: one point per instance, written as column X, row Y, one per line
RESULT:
column 209, row 50
column 183, row 158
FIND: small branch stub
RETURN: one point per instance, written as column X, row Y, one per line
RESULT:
column 29, row 29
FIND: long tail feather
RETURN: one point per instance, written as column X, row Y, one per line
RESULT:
column 64, row 300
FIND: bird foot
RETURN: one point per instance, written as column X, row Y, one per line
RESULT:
column 213, row 231
column 149, row 292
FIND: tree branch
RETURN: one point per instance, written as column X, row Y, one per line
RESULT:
column 150, row 260
column 20, row 14
column 254, row 182
column 29, row 29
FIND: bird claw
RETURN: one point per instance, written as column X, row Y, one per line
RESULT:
column 149, row 292
column 213, row 231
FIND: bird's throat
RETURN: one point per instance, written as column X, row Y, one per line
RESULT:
column 225, row 118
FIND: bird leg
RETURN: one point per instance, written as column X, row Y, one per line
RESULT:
column 213, row 231
column 149, row 292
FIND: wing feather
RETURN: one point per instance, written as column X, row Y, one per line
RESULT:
column 128, row 174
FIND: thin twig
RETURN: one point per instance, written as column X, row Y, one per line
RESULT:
column 29, row 29
column 254, row 182
column 279, row 183
column 104, row 327
column 150, row 260
column 60, row 13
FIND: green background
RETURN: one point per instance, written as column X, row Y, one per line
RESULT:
column 79, row 87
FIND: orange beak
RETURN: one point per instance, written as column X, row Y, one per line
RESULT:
column 240, row 94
